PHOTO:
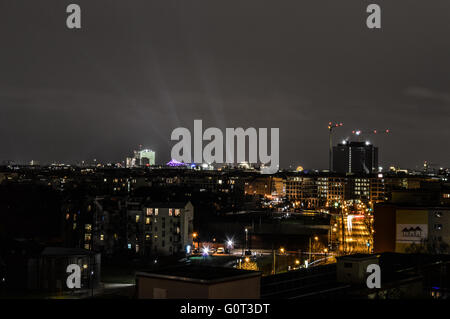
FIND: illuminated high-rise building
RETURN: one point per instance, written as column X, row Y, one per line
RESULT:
column 143, row 157
column 146, row 157
column 355, row 157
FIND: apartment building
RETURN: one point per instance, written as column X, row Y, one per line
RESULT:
column 160, row 228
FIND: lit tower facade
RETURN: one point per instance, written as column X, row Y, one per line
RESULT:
column 355, row 157
column 146, row 157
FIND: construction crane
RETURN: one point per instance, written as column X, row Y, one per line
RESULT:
column 332, row 126
column 370, row 132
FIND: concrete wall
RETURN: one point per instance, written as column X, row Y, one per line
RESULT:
column 155, row 288
column 385, row 228
column 354, row 271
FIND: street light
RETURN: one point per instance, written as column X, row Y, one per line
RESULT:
column 282, row 250
column 194, row 237
column 246, row 240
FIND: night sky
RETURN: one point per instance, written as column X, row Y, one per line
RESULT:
column 140, row 68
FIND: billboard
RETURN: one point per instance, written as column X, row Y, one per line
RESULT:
column 411, row 233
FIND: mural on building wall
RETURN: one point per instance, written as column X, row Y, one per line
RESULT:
column 411, row 233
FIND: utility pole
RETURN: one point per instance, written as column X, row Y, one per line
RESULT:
column 274, row 260
column 246, row 240
column 309, row 259
column 343, row 231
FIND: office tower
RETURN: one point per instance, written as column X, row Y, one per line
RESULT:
column 355, row 157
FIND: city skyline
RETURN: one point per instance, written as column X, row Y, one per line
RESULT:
column 152, row 66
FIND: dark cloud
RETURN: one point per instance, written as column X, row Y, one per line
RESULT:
column 140, row 68
column 427, row 94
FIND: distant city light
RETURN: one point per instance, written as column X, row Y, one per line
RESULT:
column 175, row 163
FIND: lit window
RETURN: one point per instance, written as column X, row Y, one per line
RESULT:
column 137, row 218
column 177, row 212
column 156, row 211
column 147, row 220
column 88, row 227
column 102, row 237
column 149, row 211
column 170, row 211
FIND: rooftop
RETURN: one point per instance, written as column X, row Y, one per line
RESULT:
column 166, row 204
column 61, row 251
column 199, row 274
column 358, row 257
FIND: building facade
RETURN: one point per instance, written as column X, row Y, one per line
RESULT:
column 160, row 228
column 408, row 229
column 355, row 157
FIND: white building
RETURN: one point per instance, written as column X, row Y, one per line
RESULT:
column 162, row 228
column 143, row 157
column 146, row 157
